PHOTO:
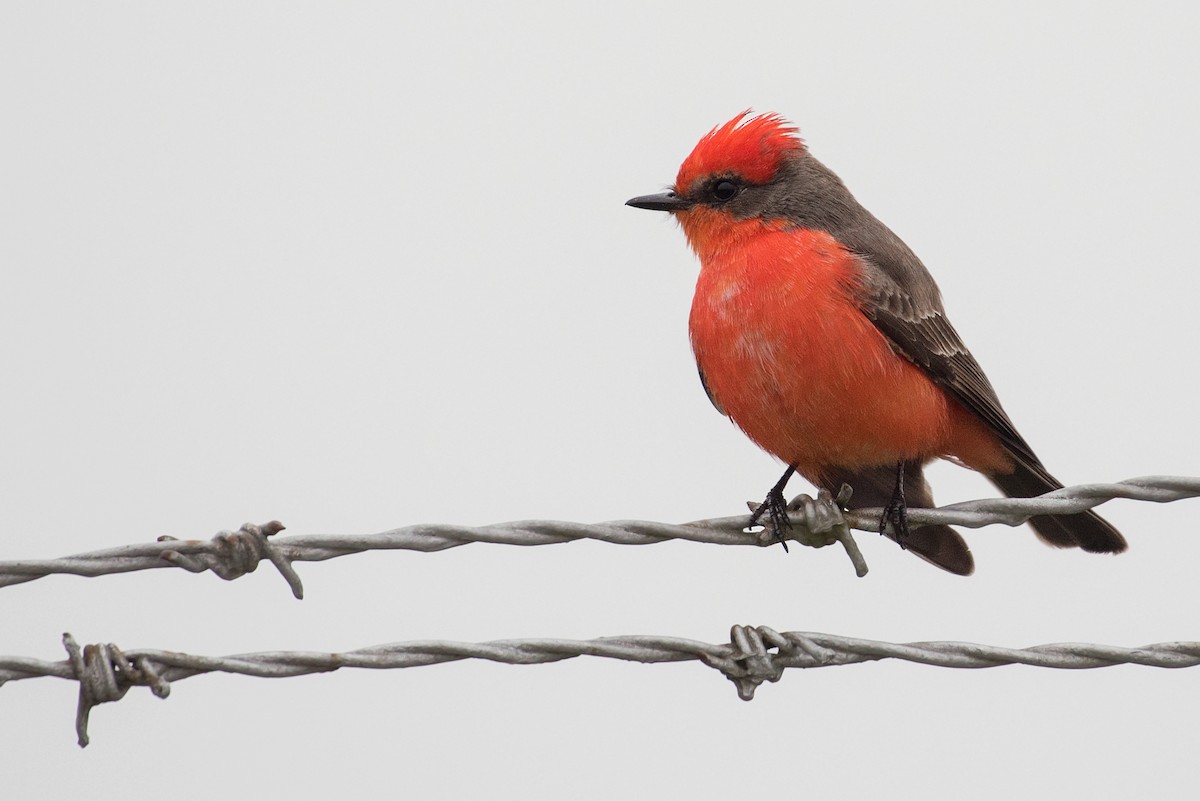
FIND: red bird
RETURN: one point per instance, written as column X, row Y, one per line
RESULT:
column 823, row 337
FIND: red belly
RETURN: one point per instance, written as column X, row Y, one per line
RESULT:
column 788, row 354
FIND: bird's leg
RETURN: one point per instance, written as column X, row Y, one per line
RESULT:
column 775, row 507
column 896, row 510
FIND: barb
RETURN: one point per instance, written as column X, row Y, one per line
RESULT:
column 752, row 656
column 233, row 554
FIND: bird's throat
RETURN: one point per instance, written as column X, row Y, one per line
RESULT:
column 716, row 235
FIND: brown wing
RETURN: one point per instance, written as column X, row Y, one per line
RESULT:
column 932, row 344
column 903, row 302
column 920, row 331
column 926, row 338
column 901, row 298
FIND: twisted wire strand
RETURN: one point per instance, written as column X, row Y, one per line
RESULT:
column 815, row 522
column 752, row 656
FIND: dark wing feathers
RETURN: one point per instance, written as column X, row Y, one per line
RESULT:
column 926, row 338
column 904, row 304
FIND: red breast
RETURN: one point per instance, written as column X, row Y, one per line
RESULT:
column 788, row 353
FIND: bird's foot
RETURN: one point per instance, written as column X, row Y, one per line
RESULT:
column 821, row 522
column 775, row 507
column 896, row 511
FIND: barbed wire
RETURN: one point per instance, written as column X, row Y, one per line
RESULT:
column 753, row 655
column 815, row 522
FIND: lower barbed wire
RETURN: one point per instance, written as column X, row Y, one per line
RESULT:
column 754, row 655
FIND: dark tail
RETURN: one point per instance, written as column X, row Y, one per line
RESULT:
column 1086, row 530
column 938, row 545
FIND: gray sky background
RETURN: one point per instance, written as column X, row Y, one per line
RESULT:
column 356, row 266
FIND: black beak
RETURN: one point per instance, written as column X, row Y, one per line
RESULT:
column 665, row 201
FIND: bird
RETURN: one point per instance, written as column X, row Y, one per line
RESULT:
column 823, row 337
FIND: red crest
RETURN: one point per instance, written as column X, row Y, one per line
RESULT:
column 751, row 148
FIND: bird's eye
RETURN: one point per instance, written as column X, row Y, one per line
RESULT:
column 724, row 190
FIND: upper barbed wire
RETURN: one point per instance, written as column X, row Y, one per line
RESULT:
column 815, row 522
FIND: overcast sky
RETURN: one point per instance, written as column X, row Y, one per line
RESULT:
column 357, row 266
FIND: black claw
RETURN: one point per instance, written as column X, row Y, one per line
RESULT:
column 776, row 508
column 896, row 512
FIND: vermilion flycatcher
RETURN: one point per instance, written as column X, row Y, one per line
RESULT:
column 822, row 336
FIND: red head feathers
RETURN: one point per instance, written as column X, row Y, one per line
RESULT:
column 752, row 148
